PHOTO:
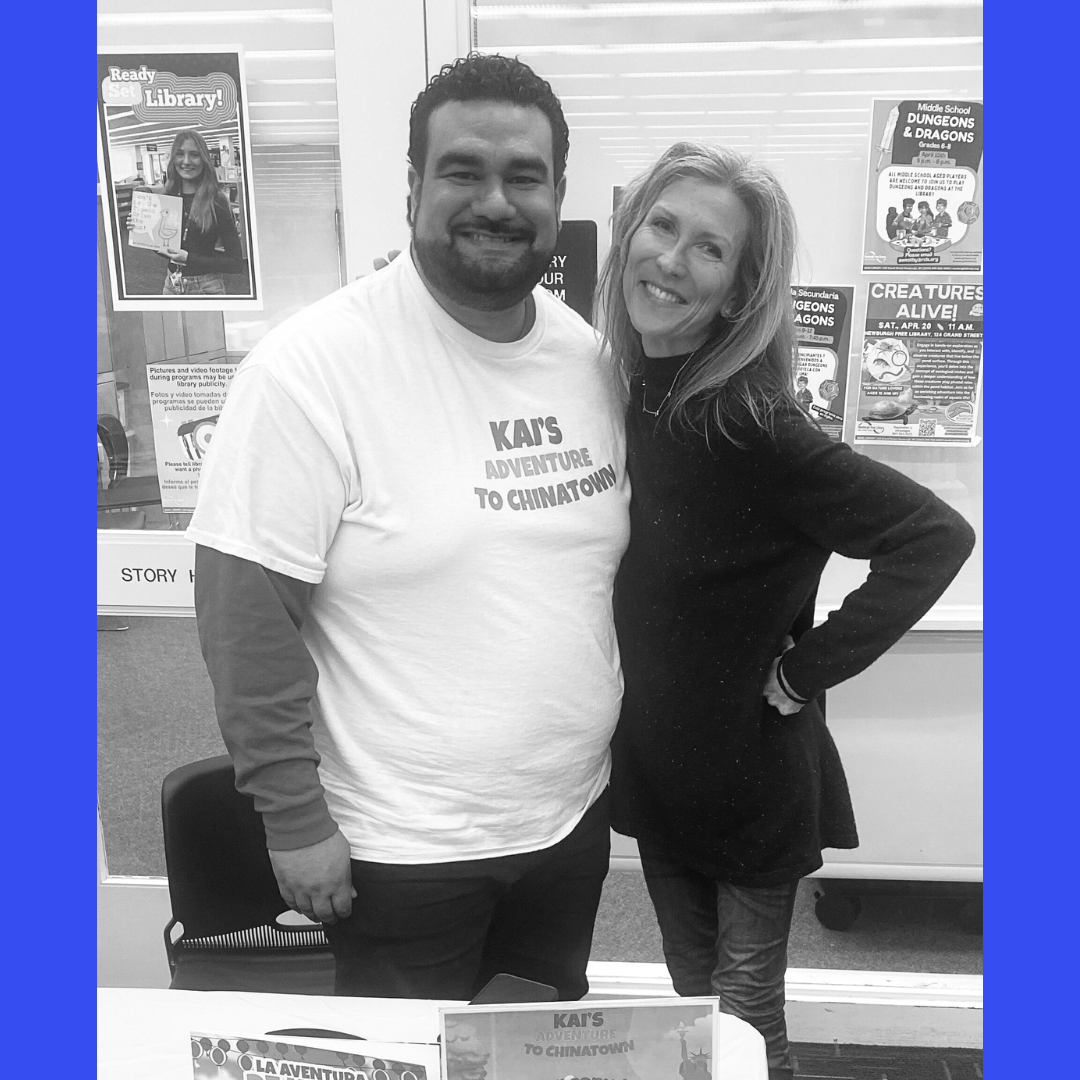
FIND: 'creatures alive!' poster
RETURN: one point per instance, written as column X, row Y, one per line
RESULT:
column 924, row 189
column 921, row 375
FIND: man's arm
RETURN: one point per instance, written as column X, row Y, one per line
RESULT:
column 249, row 621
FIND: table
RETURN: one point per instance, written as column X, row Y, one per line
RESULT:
column 144, row 1034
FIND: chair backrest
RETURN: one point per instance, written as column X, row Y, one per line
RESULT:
column 220, row 877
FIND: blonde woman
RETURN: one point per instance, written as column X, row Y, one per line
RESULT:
column 195, row 263
column 722, row 766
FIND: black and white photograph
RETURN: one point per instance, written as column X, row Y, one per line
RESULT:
column 540, row 582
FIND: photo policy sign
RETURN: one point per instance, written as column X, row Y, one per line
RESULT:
column 174, row 163
column 924, row 192
column 185, row 403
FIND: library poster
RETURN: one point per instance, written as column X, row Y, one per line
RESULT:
column 920, row 379
column 924, row 188
column 185, row 403
column 174, row 177
column 823, row 332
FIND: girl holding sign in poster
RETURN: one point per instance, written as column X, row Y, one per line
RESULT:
column 195, row 264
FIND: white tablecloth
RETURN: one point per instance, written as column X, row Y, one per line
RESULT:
column 145, row 1034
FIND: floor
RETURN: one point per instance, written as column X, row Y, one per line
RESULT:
column 891, row 933
column 818, row 1061
column 156, row 713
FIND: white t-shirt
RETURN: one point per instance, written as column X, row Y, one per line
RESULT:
column 462, row 506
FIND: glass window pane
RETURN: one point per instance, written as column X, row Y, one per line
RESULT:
column 292, row 111
column 790, row 82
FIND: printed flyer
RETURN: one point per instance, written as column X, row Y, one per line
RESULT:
column 823, row 329
column 921, row 376
column 648, row 1040
column 924, row 191
column 231, row 1057
column 174, row 168
column 185, row 402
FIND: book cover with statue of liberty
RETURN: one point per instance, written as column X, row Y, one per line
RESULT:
column 648, row 1040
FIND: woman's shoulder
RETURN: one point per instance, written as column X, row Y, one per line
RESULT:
column 775, row 428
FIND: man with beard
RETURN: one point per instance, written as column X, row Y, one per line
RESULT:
column 407, row 530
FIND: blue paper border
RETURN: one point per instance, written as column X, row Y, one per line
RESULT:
column 1030, row 578
column 50, row 312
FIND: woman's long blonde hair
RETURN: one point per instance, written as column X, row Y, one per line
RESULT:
column 209, row 198
column 747, row 359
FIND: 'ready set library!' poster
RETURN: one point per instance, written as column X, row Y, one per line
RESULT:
column 174, row 168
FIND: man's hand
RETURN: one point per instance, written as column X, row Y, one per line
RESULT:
column 317, row 880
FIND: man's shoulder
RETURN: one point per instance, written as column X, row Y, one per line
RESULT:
column 563, row 321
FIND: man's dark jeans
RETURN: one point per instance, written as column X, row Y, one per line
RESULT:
column 442, row 930
column 728, row 941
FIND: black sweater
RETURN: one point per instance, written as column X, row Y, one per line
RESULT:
column 727, row 545
column 203, row 256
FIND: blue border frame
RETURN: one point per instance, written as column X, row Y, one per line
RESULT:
column 50, row 789
column 1031, row 720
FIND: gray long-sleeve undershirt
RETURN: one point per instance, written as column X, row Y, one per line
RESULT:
column 264, row 679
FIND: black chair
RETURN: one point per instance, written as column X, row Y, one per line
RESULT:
column 225, row 897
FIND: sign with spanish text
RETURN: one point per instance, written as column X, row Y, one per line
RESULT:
column 232, row 1057
column 920, row 381
column 185, row 403
column 924, row 190
column 174, row 169
column 646, row 1040
column 823, row 333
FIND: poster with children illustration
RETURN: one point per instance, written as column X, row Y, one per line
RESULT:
column 823, row 333
column 924, row 187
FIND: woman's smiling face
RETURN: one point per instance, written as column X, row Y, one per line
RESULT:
column 682, row 263
column 188, row 160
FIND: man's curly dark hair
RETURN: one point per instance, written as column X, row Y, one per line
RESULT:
column 488, row 77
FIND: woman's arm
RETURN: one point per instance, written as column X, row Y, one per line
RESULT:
column 211, row 261
column 848, row 503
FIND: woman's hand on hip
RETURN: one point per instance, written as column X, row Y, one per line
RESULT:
column 775, row 694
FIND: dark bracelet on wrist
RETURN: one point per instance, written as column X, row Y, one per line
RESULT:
column 786, row 686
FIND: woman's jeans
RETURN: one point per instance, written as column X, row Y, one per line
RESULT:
column 727, row 941
column 202, row 284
